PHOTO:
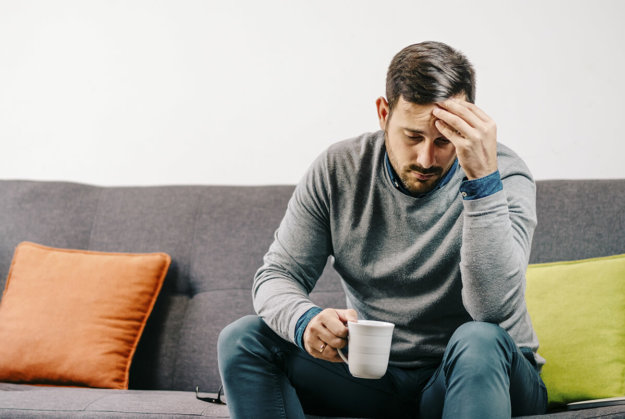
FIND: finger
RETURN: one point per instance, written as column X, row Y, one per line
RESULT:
column 331, row 339
column 317, row 332
column 315, row 347
column 462, row 109
column 332, row 321
column 330, row 354
column 479, row 112
column 449, row 132
column 326, row 352
column 454, row 121
column 348, row 315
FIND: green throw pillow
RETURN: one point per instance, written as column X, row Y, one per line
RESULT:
column 578, row 312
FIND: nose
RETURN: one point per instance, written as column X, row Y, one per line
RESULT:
column 425, row 156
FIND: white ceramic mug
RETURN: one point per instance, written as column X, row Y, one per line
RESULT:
column 369, row 348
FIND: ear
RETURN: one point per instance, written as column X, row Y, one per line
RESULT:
column 383, row 111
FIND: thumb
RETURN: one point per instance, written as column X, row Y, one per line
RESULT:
column 348, row 315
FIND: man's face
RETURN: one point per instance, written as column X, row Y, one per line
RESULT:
column 418, row 152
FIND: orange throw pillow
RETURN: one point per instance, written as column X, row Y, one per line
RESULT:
column 74, row 317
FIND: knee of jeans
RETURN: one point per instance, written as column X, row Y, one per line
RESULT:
column 232, row 337
column 482, row 339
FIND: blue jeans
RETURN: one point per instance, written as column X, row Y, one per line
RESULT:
column 482, row 375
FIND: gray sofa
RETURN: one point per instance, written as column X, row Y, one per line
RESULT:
column 216, row 236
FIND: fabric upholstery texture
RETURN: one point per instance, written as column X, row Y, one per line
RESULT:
column 63, row 402
column 217, row 236
column 578, row 219
column 578, row 311
column 74, row 317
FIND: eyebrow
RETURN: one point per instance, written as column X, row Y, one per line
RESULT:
column 414, row 131
column 420, row 132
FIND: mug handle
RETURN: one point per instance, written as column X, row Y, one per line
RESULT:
column 343, row 356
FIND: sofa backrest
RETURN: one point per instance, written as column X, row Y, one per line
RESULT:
column 217, row 236
column 579, row 219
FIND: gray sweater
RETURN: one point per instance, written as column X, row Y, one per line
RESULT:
column 426, row 264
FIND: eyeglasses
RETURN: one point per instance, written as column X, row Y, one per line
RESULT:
column 208, row 398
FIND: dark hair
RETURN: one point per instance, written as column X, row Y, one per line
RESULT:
column 429, row 72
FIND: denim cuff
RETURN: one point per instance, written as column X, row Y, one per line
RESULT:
column 303, row 321
column 482, row 187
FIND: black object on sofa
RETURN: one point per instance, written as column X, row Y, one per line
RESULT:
column 217, row 236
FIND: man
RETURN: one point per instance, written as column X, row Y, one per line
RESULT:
column 430, row 223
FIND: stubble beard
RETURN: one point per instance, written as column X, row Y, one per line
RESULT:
column 409, row 182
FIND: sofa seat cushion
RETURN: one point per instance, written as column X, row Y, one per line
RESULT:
column 25, row 401
column 63, row 402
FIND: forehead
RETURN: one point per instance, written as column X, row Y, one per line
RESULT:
column 417, row 117
column 413, row 115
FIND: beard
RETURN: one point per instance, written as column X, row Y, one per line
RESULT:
column 408, row 173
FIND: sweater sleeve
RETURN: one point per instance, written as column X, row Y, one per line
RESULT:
column 496, row 242
column 297, row 256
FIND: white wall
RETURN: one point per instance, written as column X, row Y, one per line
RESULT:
column 249, row 92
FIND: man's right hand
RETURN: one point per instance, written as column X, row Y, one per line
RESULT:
column 327, row 332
